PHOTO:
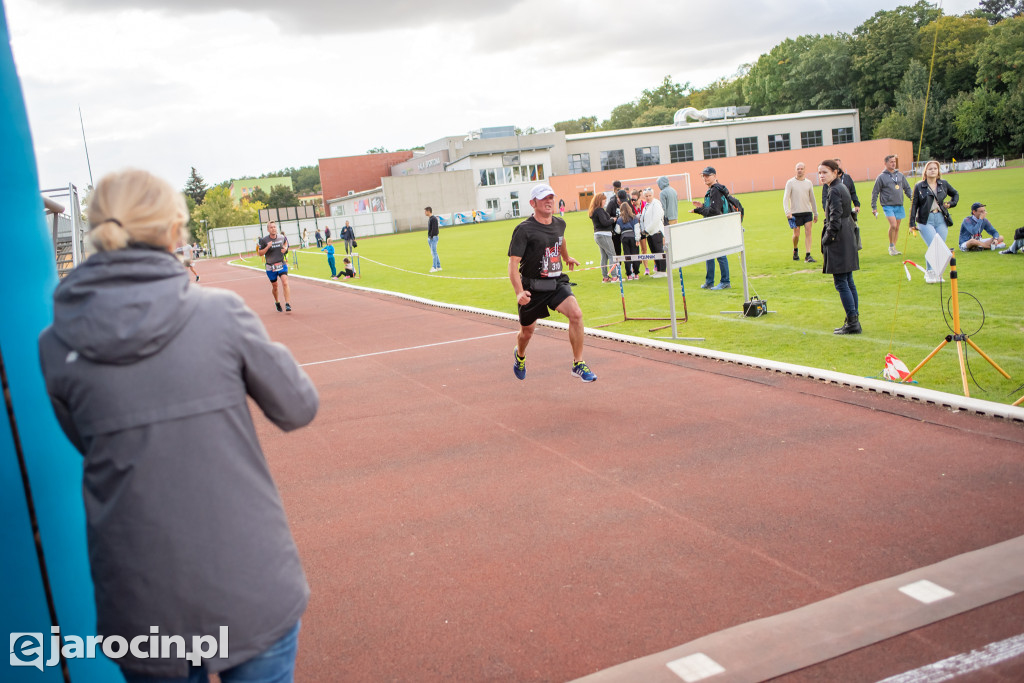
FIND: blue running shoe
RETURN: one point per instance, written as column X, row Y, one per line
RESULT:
column 721, row 285
column 520, row 365
column 582, row 371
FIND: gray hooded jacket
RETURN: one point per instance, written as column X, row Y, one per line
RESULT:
column 669, row 199
column 148, row 377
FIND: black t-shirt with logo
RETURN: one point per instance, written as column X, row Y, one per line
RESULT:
column 276, row 252
column 538, row 246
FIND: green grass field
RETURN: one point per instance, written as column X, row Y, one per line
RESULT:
column 901, row 317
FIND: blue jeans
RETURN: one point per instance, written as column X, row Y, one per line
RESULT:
column 276, row 664
column 432, row 241
column 330, row 262
column 936, row 225
column 847, row 292
column 723, row 264
column 348, row 246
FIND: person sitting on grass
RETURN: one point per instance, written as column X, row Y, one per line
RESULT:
column 349, row 272
column 1017, row 246
column 330, row 258
column 972, row 228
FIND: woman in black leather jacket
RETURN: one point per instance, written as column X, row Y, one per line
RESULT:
column 929, row 209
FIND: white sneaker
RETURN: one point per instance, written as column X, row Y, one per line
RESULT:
column 892, row 250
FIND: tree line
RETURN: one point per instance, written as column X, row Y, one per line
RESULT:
column 213, row 207
column 972, row 106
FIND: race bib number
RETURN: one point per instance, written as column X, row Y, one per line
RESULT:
column 275, row 267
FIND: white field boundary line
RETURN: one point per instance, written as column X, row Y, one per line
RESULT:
column 964, row 663
column 920, row 394
column 407, row 348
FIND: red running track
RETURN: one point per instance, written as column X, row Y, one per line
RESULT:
column 457, row 524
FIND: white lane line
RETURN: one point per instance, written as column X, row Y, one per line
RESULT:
column 964, row 663
column 408, row 348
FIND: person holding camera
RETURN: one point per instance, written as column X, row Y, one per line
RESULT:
column 929, row 208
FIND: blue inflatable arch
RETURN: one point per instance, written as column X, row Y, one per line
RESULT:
column 44, row 584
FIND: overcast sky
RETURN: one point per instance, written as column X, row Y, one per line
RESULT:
column 244, row 87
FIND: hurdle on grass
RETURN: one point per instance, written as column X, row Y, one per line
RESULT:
column 631, row 258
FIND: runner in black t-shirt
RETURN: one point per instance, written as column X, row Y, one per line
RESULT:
column 273, row 247
column 535, row 258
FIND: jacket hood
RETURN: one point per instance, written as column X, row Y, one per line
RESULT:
column 663, row 182
column 721, row 188
column 122, row 306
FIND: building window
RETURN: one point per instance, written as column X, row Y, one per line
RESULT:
column 841, row 135
column 746, row 146
column 613, row 159
column 683, row 152
column 579, row 163
column 811, row 138
column 647, row 156
column 778, row 143
column 493, row 204
column 714, row 149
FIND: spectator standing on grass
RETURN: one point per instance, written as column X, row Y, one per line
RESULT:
column 603, row 230
column 612, row 207
column 561, row 208
column 305, row 238
column 329, row 248
column 839, row 245
column 715, row 204
column 851, row 186
column 327, row 233
column 801, row 211
column 535, row 257
column 629, row 230
column 185, row 527
column 929, row 208
column 349, row 235
column 653, row 221
column 669, row 199
column 972, row 228
column 889, row 188
column 433, row 234
column 319, row 239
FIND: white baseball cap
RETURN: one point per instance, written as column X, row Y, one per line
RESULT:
column 541, row 191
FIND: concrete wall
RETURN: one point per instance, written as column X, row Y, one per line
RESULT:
column 753, row 173
column 444, row 192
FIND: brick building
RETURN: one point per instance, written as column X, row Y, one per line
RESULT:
column 341, row 176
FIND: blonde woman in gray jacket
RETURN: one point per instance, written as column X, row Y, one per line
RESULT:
column 148, row 375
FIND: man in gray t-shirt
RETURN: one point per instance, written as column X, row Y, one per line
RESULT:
column 272, row 248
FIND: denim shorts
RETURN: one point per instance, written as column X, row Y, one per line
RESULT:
column 896, row 212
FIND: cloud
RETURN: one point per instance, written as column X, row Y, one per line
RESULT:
column 313, row 17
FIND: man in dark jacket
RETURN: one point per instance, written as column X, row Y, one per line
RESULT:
column 433, row 232
column 714, row 204
column 612, row 207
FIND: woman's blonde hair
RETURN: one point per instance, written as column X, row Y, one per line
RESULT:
column 938, row 167
column 134, row 206
column 597, row 202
